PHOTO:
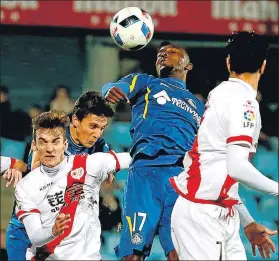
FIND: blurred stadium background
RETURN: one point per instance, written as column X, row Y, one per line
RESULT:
column 52, row 51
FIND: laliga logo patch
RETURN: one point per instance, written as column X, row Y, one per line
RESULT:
column 249, row 115
column 162, row 97
column 77, row 173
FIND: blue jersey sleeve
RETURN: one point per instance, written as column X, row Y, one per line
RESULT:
column 101, row 146
column 131, row 84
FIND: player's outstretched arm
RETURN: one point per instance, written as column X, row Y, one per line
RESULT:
column 257, row 234
column 12, row 163
column 102, row 164
column 126, row 88
column 12, row 169
column 243, row 171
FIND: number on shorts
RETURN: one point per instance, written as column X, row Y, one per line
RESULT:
column 219, row 242
column 136, row 215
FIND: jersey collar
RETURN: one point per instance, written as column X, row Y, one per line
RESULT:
column 175, row 81
column 70, row 139
column 246, row 84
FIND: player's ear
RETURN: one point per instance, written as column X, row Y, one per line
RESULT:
column 189, row 67
column 66, row 144
column 75, row 121
column 262, row 69
column 228, row 63
column 33, row 146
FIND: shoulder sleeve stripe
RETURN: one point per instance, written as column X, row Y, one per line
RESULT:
column 133, row 84
column 21, row 213
column 13, row 161
column 117, row 167
column 240, row 138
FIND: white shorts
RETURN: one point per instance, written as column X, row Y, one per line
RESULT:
column 203, row 232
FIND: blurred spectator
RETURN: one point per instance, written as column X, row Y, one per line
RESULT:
column 61, row 99
column 110, row 212
column 10, row 120
column 269, row 116
column 5, row 111
column 110, row 209
column 34, row 110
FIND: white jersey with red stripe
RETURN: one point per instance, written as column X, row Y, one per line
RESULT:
column 232, row 117
column 6, row 163
column 73, row 190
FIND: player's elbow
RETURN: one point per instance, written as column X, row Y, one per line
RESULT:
column 35, row 241
column 232, row 170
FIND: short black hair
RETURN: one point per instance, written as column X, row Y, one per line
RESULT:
column 36, row 106
column 247, row 52
column 4, row 89
column 165, row 43
column 91, row 102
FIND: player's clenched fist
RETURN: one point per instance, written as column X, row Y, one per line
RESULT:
column 61, row 223
column 115, row 94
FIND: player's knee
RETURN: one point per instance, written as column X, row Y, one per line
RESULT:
column 137, row 256
column 173, row 256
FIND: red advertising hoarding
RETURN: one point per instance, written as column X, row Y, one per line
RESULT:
column 198, row 17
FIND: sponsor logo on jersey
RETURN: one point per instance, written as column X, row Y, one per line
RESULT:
column 184, row 105
column 248, row 105
column 162, row 97
column 137, row 239
column 45, row 186
column 77, row 173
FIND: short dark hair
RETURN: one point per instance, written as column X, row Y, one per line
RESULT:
column 4, row 89
column 91, row 102
column 50, row 120
column 247, row 52
column 36, row 106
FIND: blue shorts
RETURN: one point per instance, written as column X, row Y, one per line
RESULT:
column 148, row 202
column 17, row 242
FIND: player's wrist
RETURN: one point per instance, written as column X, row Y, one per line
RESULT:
column 252, row 223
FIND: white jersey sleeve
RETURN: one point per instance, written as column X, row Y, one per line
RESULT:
column 24, row 204
column 6, row 163
column 242, row 120
column 101, row 164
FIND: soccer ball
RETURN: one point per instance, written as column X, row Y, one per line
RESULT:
column 131, row 28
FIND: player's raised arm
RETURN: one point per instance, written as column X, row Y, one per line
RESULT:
column 99, row 165
column 126, row 88
column 243, row 123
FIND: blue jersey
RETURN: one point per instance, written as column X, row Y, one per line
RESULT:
column 165, row 118
column 73, row 149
